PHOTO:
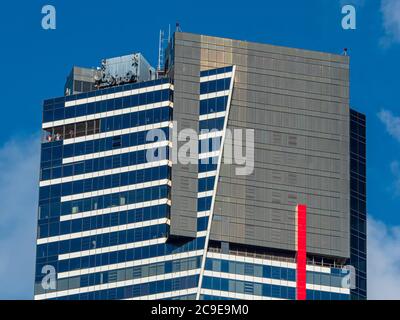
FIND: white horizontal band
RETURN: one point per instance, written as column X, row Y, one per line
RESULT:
column 117, row 95
column 100, row 212
column 211, row 95
column 216, row 76
column 331, row 289
column 201, row 214
column 315, row 268
column 128, row 264
column 200, row 234
column 211, row 154
column 205, row 194
column 90, row 194
column 117, row 247
column 207, row 174
column 213, row 115
column 211, row 134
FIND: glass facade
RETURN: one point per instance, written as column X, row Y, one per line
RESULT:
column 358, row 198
column 104, row 208
column 103, row 205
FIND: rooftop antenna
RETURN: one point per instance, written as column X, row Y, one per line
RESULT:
column 160, row 51
column 161, row 40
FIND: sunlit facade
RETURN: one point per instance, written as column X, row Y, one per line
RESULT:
column 114, row 223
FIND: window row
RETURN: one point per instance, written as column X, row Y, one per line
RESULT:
column 135, row 119
column 72, row 130
column 184, row 297
column 215, row 85
column 212, row 72
column 55, row 103
column 211, row 124
column 213, row 105
column 252, row 288
column 55, row 209
column 209, row 145
column 323, row 295
column 115, row 142
column 125, row 274
column 208, row 164
column 325, row 279
column 249, row 269
column 119, row 122
column 57, row 151
column 108, row 220
column 202, row 223
column 209, row 297
column 104, row 182
column 206, row 184
column 138, row 290
column 103, row 163
column 104, row 240
column 204, row 204
column 107, row 105
column 48, row 254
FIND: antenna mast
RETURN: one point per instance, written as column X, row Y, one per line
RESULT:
column 160, row 51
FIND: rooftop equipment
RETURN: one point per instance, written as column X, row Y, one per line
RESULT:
column 125, row 69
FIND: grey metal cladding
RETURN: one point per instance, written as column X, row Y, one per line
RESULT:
column 297, row 101
column 186, row 114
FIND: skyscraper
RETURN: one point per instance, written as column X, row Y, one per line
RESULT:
column 269, row 204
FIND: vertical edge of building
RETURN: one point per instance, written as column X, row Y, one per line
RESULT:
column 358, row 203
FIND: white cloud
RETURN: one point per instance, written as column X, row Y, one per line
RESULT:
column 391, row 21
column 19, row 167
column 391, row 122
column 383, row 280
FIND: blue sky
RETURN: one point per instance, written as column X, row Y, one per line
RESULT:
column 35, row 63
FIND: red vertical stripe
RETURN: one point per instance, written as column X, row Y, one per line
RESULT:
column 301, row 241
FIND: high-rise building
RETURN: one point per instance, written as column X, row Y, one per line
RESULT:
column 270, row 203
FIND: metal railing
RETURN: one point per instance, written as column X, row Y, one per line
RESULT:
column 278, row 258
